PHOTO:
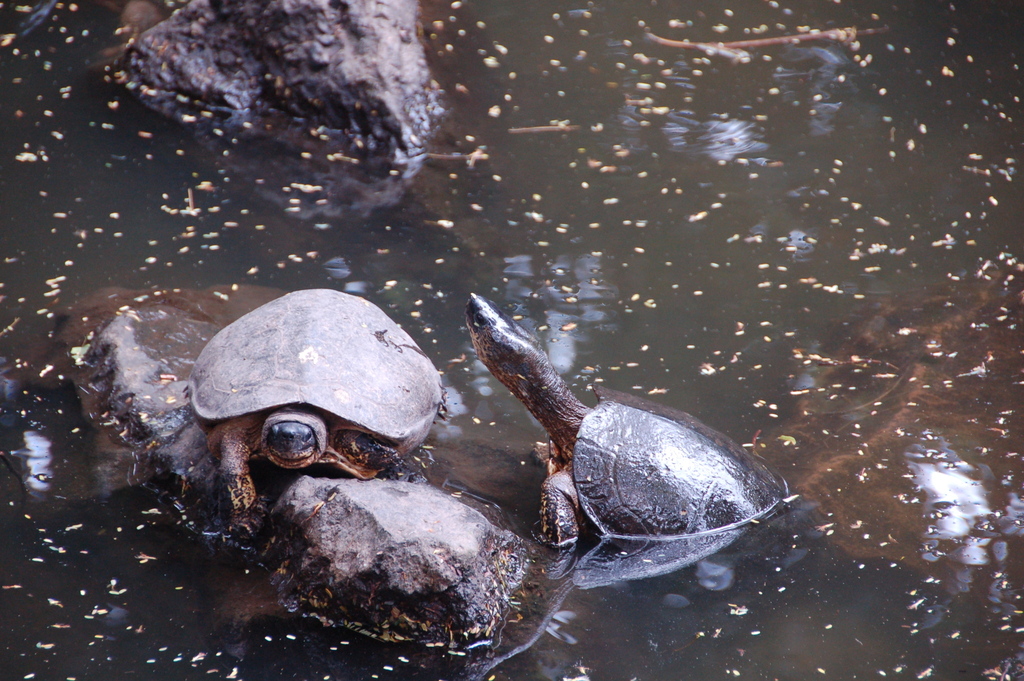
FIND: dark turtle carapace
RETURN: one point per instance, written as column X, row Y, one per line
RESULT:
column 316, row 376
column 633, row 467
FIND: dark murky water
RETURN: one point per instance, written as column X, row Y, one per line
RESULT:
column 704, row 220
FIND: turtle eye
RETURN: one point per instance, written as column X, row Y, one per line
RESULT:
column 291, row 439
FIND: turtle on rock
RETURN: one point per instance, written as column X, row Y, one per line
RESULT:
column 632, row 467
column 316, row 376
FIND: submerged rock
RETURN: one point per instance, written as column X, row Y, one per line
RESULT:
column 907, row 426
column 129, row 354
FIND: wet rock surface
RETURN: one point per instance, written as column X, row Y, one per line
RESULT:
column 396, row 560
column 356, row 70
column 399, row 561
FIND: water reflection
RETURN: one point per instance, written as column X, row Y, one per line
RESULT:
column 714, row 576
column 8, row 390
column 1012, row 522
column 620, row 560
column 799, row 243
column 819, row 77
column 36, row 463
column 338, row 268
column 575, row 297
column 554, row 627
column 611, row 564
column 722, row 139
column 955, row 502
column 39, row 14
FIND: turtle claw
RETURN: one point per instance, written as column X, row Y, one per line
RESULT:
column 244, row 521
column 559, row 534
column 244, row 527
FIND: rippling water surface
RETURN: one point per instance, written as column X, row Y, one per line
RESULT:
column 696, row 220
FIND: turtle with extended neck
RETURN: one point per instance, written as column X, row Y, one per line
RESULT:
column 632, row 467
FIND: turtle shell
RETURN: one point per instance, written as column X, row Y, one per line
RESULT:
column 319, row 347
column 642, row 469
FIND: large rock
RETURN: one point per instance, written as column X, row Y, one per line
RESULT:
column 354, row 72
column 398, row 561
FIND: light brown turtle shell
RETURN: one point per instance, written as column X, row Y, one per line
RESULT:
column 323, row 348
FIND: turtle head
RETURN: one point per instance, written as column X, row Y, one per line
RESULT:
column 514, row 356
column 293, row 438
column 500, row 343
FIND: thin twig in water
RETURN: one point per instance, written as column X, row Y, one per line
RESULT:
column 545, row 128
column 10, row 327
column 832, row 362
column 191, row 210
column 471, row 158
column 735, row 49
column 710, row 49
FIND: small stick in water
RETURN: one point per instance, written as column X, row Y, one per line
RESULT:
column 471, row 158
column 561, row 127
column 736, row 50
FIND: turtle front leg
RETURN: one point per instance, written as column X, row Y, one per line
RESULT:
column 364, row 456
column 559, row 510
column 230, row 442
